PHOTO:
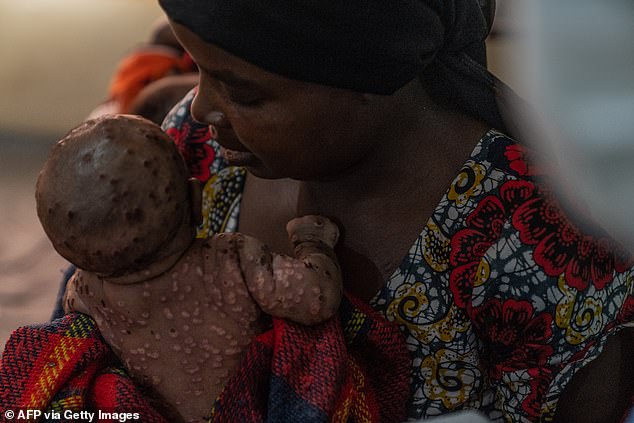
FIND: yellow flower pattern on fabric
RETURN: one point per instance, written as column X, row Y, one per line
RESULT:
column 209, row 193
column 483, row 273
column 436, row 248
column 446, row 329
column 410, row 301
column 450, row 377
column 467, row 183
column 408, row 307
column 580, row 321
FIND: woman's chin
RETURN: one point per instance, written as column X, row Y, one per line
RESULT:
column 260, row 171
column 238, row 158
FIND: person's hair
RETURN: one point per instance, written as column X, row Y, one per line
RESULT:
column 112, row 193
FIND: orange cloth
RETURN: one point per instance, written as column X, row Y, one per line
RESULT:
column 142, row 67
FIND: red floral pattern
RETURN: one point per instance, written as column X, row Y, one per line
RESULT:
column 514, row 337
column 539, row 383
column 562, row 248
column 517, row 156
column 517, row 338
column 483, row 226
column 192, row 138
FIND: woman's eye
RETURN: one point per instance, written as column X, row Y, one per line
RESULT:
column 245, row 99
column 234, row 90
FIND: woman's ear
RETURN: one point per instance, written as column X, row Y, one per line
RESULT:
column 195, row 200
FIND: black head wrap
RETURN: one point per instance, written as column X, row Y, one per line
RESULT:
column 372, row 46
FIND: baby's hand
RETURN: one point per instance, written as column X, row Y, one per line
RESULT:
column 306, row 289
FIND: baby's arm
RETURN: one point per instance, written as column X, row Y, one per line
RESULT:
column 306, row 289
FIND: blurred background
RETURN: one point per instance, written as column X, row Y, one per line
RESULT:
column 578, row 57
column 56, row 60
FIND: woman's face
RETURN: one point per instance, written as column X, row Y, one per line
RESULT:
column 278, row 127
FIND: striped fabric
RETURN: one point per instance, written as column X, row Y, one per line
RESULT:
column 351, row 369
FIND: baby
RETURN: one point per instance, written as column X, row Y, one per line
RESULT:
column 115, row 199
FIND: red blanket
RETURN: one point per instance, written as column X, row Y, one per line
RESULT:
column 351, row 369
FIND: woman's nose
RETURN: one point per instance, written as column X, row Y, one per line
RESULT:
column 205, row 110
column 217, row 119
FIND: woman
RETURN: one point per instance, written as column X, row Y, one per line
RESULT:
column 365, row 112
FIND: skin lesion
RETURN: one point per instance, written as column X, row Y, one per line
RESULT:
column 306, row 288
column 175, row 315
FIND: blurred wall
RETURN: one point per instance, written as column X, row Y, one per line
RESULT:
column 56, row 60
column 57, row 57
column 506, row 46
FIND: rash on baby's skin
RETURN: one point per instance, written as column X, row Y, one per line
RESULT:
column 115, row 200
column 185, row 331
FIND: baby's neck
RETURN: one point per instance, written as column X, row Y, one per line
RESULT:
column 148, row 272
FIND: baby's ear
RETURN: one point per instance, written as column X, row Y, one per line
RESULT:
column 195, row 200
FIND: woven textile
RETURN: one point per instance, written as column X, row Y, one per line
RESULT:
column 351, row 369
column 65, row 365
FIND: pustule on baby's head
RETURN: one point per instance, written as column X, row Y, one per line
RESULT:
column 113, row 195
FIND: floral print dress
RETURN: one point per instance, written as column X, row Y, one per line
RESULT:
column 502, row 298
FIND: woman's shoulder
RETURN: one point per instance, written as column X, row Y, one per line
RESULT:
column 525, row 247
column 503, row 259
column 501, row 153
column 548, row 275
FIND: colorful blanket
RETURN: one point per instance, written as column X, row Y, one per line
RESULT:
column 351, row 369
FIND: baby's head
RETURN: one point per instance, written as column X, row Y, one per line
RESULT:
column 114, row 196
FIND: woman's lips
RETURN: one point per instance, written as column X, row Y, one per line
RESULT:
column 226, row 136
column 237, row 158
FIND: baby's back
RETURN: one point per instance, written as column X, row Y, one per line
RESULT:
column 184, row 332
